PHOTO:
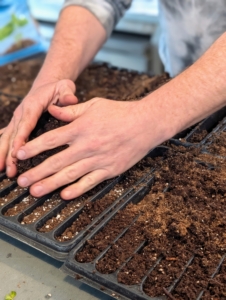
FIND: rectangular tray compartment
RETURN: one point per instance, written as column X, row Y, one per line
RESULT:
column 108, row 283
column 46, row 242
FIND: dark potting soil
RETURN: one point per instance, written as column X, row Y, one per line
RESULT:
column 190, row 214
column 217, row 286
column 218, row 142
column 7, row 107
column 5, row 183
column 12, row 195
column 42, row 209
column 19, row 207
column 93, row 209
column 70, row 208
column 198, row 136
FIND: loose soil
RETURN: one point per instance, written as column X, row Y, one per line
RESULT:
column 7, row 105
column 218, row 142
column 198, row 137
column 190, row 215
column 93, row 209
column 12, row 195
column 19, row 207
column 5, row 183
column 41, row 210
column 70, row 208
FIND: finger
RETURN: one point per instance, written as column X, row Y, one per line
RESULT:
column 66, row 93
column 25, row 125
column 67, row 113
column 4, row 145
column 65, row 176
column 85, row 184
column 51, row 165
column 47, row 141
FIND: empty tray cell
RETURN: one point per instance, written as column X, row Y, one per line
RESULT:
column 40, row 210
column 16, row 192
column 17, row 208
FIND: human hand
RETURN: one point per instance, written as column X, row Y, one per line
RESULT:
column 105, row 138
column 26, row 116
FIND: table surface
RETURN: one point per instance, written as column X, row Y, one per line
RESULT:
column 34, row 275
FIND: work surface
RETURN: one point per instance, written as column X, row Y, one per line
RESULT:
column 34, row 275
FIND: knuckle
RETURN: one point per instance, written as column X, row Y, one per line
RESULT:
column 71, row 175
column 90, row 181
column 50, row 140
column 56, row 163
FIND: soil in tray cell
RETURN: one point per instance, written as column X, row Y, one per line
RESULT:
column 167, row 271
column 41, row 210
column 95, row 208
column 12, row 195
column 106, row 236
column 70, row 208
column 19, row 207
column 5, row 183
column 198, row 136
column 197, row 276
column 217, row 285
column 218, row 145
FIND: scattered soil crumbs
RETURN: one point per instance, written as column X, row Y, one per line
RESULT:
column 41, row 210
column 93, row 209
column 190, row 215
column 5, row 183
column 12, row 195
column 19, row 207
column 198, row 137
column 218, row 142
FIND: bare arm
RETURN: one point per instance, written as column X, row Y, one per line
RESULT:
column 78, row 37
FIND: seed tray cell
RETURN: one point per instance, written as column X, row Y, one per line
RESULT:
column 53, row 231
column 87, row 260
column 199, row 133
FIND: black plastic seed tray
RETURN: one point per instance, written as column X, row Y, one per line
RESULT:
column 47, row 242
column 199, row 133
column 87, row 272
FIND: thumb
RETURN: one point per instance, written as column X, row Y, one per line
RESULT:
column 66, row 93
column 67, row 113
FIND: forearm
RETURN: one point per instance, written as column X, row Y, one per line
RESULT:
column 191, row 96
column 78, row 37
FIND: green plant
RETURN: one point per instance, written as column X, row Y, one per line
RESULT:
column 10, row 296
column 14, row 23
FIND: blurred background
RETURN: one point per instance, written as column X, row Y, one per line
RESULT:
column 133, row 44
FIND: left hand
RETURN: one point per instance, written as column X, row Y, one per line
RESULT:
column 105, row 138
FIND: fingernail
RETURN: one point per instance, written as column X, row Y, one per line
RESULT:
column 67, row 194
column 38, row 189
column 21, row 154
column 23, row 181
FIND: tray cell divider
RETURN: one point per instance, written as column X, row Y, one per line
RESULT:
column 212, row 276
column 6, row 190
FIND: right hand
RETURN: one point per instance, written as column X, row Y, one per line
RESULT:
column 26, row 116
